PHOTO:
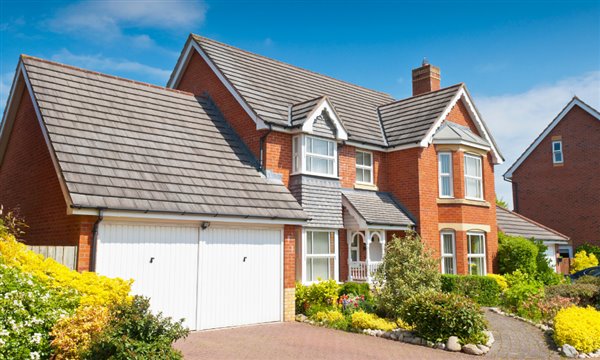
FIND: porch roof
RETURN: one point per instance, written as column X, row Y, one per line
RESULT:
column 377, row 208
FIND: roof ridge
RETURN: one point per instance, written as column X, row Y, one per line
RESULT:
column 199, row 37
column 24, row 56
column 421, row 95
column 533, row 222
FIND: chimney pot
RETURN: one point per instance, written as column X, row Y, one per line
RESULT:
column 425, row 78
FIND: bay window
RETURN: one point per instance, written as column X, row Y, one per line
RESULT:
column 320, row 255
column 476, row 255
column 448, row 252
column 445, row 174
column 473, row 177
column 314, row 155
column 364, row 167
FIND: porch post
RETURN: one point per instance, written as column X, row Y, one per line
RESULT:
column 368, row 254
column 383, row 242
column 349, row 236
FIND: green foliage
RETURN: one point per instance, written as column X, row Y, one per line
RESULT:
column 589, row 249
column 580, row 293
column 407, row 269
column 582, row 261
column 502, row 203
column 544, row 272
column 361, row 320
column 352, row 303
column 331, row 318
column 483, row 290
column 28, row 311
column 323, row 294
column 587, row 279
column 354, row 288
column 134, row 332
column 437, row 316
column 516, row 253
column 521, row 288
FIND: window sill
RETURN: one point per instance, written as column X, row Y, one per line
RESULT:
column 365, row 187
column 481, row 203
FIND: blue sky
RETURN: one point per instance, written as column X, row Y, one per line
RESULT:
column 521, row 60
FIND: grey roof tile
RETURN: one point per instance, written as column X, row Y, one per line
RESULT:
column 378, row 208
column 453, row 132
column 515, row 224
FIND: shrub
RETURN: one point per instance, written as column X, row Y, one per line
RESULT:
column 74, row 335
column 350, row 304
column 28, row 311
column 500, row 280
column 544, row 272
column 95, row 289
column 331, row 318
column 590, row 249
column 134, row 332
column 361, row 320
column 579, row 327
column 582, row 261
column 516, row 253
column 354, row 288
column 582, row 294
column 437, row 316
column 521, row 287
column 323, row 294
column 587, row 279
column 482, row 289
column 407, row 269
column 550, row 306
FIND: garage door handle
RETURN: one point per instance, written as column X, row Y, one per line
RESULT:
column 151, row 260
column 244, row 260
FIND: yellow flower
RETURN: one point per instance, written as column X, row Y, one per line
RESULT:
column 578, row 327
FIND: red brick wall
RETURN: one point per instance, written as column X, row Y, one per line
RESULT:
column 347, row 166
column 28, row 182
column 278, row 154
column 565, row 197
column 290, row 232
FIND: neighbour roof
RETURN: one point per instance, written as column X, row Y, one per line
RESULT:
column 451, row 132
column 378, row 208
column 126, row 145
column 270, row 87
column 408, row 121
column 511, row 223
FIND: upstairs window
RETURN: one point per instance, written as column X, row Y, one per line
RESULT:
column 557, row 152
column 364, row 167
column 473, row 177
column 445, row 174
column 314, row 155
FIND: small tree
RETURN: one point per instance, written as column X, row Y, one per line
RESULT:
column 590, row 249
column 516, row 253
column 583, row 261
column 502, row 203
column 407, row 269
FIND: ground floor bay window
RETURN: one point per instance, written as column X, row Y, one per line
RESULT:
column 320, row 255
column 476, row 254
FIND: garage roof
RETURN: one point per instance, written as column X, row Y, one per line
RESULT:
column 515, row 224
column 127, row 145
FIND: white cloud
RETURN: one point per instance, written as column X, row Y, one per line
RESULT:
column 517, row 119
column 107, row 19
column 113, row 66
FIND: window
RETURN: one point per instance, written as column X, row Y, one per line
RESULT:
column 314, row 155
column 448, row 252
column 476, row 256
column 355, row 247
column 364, row 167
column 473, row 179
column 445, row 175
column 320, row 255
column 557, row 152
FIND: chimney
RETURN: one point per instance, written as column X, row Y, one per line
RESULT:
column 425, row 79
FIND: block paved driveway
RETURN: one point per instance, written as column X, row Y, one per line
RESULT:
column 300, row 341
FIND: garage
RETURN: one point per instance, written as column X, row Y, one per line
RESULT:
column 220, row 276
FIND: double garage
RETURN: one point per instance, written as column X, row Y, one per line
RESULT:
column 211, row 275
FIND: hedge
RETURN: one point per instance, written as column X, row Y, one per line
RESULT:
column 483, row 290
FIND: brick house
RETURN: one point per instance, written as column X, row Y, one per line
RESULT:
column 555, row 180
column 243, row 176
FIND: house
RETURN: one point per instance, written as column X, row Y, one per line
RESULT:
column 514, row 224
column 242, row 176
column 554, row 181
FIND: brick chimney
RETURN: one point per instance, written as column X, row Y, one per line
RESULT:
column 425, row 79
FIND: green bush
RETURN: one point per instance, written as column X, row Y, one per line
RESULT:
column 516, row 253
column 582, row 261
column 437, row 316
column 407, row 269
column 587, row 279
column 331, row 318
column 134, row 332
column 323, row 295
column 589, row 249
column 361, row 320
column 581, row 293
column 544, row 272
column 521, row 288
column 354, row 288
column 483, row 290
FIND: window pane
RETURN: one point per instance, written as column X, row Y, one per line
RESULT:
column 355, row 240
column 359, row 158
column 354, row 255
column 447, row 242
column 317, row 268
column 473, row 188
column 476, row 266
column 448, row 265
column 320, row 147
column 367, row 159
column 445, row 163
column 367, row 176
column 558, row 157
column 556, row 146
column 472, row 166
column 319, row 165
column 446, row 186
column 476, row 244
column 359, row 175
column 320, row 243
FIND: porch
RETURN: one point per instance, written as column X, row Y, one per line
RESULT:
column 362, row 265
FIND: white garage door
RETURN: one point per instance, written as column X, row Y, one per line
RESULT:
column 231, row 276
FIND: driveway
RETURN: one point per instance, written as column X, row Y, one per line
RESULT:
column 300, row 341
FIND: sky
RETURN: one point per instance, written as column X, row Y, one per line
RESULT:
column 522, row 61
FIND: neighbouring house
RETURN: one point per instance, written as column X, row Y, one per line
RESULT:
column 243, row 176
column 511, row 223
column 555, row 181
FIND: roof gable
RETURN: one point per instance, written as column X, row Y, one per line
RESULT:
column 574, row 102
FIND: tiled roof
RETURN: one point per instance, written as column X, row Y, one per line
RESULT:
column 515, row 224
column 270, row 87
column 133, row 146
column 408, row 121
column 452, row 132
column 299, row 112
column 378, row 208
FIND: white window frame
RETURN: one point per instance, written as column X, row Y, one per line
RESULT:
column 364, row 167
column 447, row 255
column 556, row 152
column 478, row 178
column 306, row 256
column 300, row 155
column 479, row 256
column 448, row 175
column 358, row 236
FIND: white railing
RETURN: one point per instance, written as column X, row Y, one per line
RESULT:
column 358, row 270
